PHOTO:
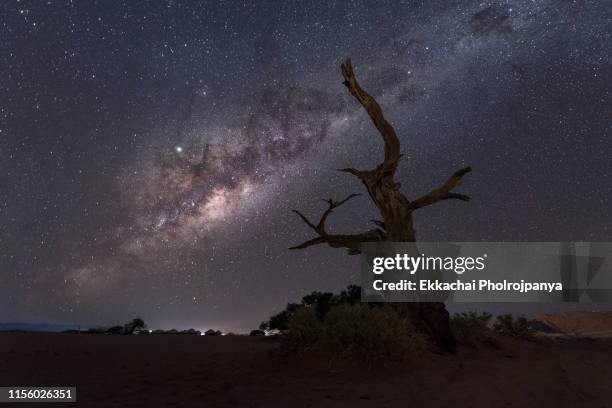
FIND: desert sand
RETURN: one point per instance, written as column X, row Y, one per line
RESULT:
column 201, row 371
column 579, row 323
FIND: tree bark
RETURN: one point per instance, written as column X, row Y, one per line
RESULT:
column 396, row 210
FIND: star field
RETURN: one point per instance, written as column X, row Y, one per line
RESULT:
column 151, row 152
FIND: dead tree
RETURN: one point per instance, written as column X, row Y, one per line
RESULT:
column 395, row 209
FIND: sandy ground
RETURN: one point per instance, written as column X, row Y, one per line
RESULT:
column 581, row 323
column 199, row 371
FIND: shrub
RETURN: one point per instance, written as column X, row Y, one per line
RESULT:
column 519, row 328
column 472, row 328
column 280, row 320
column 115, row 330
column 372, row 335
column 321, row 302
column 305, row 330
column 132, row 326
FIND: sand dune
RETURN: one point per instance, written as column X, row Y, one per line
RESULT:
column 579, row 323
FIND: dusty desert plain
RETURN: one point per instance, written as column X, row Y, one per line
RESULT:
column 241, row 371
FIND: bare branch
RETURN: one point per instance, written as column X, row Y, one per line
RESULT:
column 381, row 224
column 350, row 241
column 392, row 144
column 357, row 173
column 314, row 241
column 444, row 192
column 331, row 205
column 320, row 227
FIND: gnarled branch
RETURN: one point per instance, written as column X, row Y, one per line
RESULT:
column 444, row 192
column 350, row 241
column 392, row 144
column 381, row 224
column 358, row 173
column 320, row 227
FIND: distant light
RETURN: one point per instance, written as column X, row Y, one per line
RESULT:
column 178, row 149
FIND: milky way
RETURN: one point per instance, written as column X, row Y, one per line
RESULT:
column 152, row 152
column 189, row 190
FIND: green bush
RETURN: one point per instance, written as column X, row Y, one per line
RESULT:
column 362, row 333
column 472, row 328
column 519, row 328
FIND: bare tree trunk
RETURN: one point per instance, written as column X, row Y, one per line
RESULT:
column 395, row 209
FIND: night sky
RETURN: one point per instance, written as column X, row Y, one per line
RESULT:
column 151, row 152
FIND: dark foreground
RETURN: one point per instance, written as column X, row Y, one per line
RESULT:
column 195, row 371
